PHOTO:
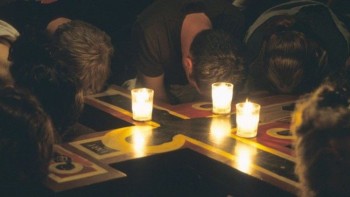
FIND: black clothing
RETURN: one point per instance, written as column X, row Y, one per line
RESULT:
column 157, row 34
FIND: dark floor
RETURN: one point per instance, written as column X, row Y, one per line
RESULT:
column 187, row 173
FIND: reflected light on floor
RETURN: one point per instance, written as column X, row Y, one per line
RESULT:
column 245, row 155
column 141, row 135
column 220, row 128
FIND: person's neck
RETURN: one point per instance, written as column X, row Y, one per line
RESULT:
column 191, row 26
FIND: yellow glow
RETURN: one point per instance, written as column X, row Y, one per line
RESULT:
column 247, row 117
column 142, row 104
column 141, row 135
column 220, row 128
column 245, row 157
column 222, row 93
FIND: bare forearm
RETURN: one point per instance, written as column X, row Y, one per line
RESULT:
column 155, row 83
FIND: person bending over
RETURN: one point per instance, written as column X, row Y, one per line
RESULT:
column 294, row 46
column 163, row 35
column 57, row 88
column 84, row 49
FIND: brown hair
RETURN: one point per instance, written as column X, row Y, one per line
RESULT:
column 322, row 130
column 291, row 60
column 217, row 57
column 86, row 50
column 26, row 139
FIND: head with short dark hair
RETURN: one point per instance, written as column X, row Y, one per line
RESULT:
column 26, row 140
column 322, row 130
column 216, row 57
column 86, row 50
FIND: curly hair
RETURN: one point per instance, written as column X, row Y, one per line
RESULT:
column 216, row 56
column 26, row 139
column 86, row 50
column 321, row 127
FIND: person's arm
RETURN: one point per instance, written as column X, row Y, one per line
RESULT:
column 155, row 83
column 148, row 60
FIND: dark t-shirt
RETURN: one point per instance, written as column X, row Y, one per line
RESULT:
column 157, row 30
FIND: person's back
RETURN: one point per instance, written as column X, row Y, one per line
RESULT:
column 26, row 143
column 322, row 132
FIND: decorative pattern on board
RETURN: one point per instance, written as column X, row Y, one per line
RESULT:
column 68, row 166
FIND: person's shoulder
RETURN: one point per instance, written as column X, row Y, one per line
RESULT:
column 159, row 10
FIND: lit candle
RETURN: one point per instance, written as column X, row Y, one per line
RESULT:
column 247, row 119
column 142, row 104
column 222, row 93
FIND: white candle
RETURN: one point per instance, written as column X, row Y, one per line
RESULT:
column 222, row 93
column 142, row 104
column 247, row 119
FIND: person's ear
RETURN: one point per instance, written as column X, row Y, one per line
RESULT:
column 188, row 65
column 189, row 73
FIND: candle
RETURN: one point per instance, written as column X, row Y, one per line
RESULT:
column 222, row 93
column 247, row 119
column 142, row 104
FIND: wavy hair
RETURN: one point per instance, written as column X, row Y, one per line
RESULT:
column 321, row 127
column 26, row 139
